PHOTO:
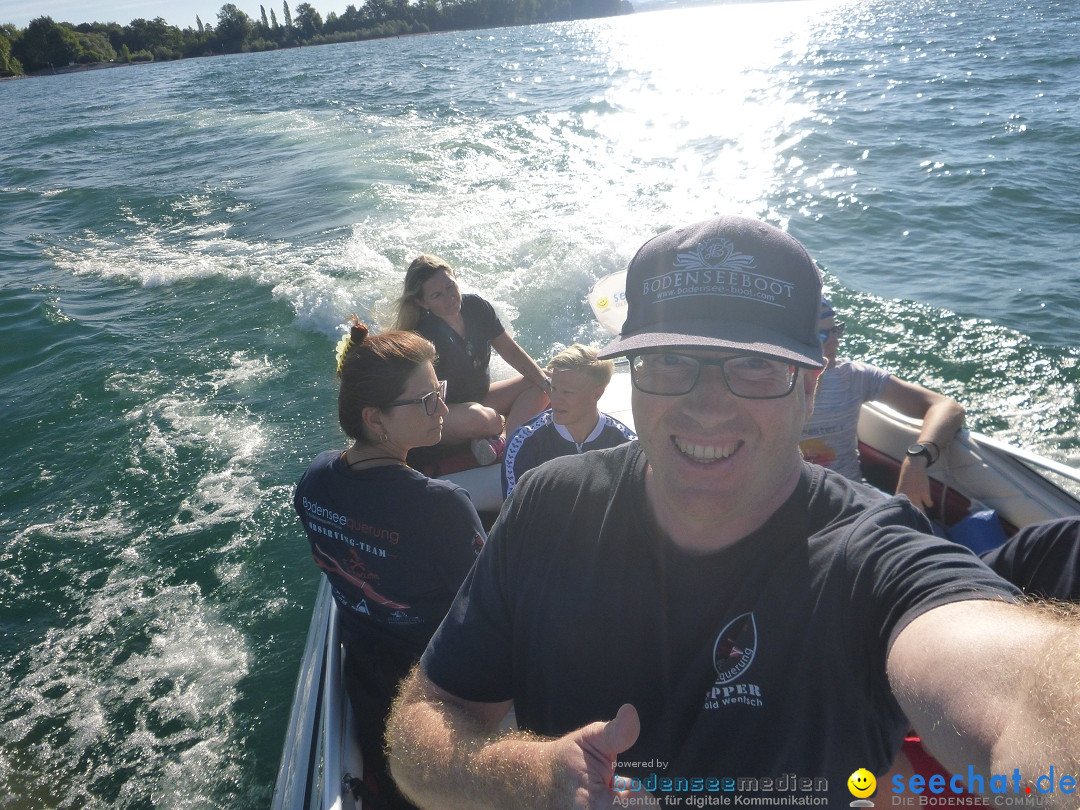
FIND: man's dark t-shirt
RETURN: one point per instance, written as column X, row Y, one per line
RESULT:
column 762, row 660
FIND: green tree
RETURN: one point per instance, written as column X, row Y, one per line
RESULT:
column 45, row 44
column 308, row 21
column 376, row 11
column 198, row 43
column 233, row 28
column 154, row 36
column 9, row 65
column 95, row 48
column 584, row 9
column 347, row 21
column 111, row 31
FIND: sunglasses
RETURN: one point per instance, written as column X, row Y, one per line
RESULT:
column 837, row 330
column 430, row 401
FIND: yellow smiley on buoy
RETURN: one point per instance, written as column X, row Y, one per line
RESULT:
column 861, row 783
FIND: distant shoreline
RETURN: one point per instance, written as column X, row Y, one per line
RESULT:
column 72, row 69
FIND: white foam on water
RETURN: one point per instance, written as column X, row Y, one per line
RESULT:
column 242, row 371
column 135, row 681
column 31, row 550
column 142, row 684
column 188, row 421
column 221, row 497
column 133, row 678
column 197, row 413
column 195, row 245
column 81, row 529
column 322, row 302
column 197, row 431
column 141, row 383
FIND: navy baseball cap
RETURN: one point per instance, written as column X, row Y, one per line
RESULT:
column 729, row 283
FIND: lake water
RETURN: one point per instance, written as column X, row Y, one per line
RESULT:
column 181, row 243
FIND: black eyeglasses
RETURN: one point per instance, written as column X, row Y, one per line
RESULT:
column 429, row 401
column 670, row 374
column 838, row 330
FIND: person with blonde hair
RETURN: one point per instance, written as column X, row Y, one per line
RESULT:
column 573, row 423
column 464, row 330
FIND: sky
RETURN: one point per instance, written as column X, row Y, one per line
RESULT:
column 179, row 13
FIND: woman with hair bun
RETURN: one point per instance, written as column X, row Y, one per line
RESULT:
column 464, row 329
column 394, row 544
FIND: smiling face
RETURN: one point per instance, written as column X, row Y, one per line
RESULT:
column 861, row 783
column 440, row 294
column 715, row 456
column 573, row 398
column 409, row 426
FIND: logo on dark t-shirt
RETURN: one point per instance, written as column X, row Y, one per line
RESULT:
column 734, row 650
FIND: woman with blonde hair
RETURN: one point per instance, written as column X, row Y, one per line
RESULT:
column 464, row 330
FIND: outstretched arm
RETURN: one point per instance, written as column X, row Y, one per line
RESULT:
column 942, row 418
column 519, row 360
column 449, row 754
column 996, row 687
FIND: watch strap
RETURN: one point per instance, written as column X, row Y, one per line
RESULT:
column 924, row 450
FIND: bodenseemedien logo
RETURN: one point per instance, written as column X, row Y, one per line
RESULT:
column 862, row 785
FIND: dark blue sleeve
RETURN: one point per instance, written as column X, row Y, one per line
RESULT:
column 613, row 434
column 463, row 533
column 526, row 458
column 895, row 566
column 470, row 654
column 503, row 479
column 522, row 450
column 1043, row 559
column 483, row 322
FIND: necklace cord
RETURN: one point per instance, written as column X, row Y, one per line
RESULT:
column 351, row 464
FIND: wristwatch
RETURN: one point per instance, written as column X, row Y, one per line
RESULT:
column 923, row 449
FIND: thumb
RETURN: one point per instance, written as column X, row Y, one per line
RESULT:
column 622, row 731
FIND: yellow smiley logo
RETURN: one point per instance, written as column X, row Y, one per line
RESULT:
column 602, row 303
column 861, row 783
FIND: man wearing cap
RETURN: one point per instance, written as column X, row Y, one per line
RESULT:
column 701, row 615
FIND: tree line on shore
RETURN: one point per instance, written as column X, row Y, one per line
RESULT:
column 45, row 45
